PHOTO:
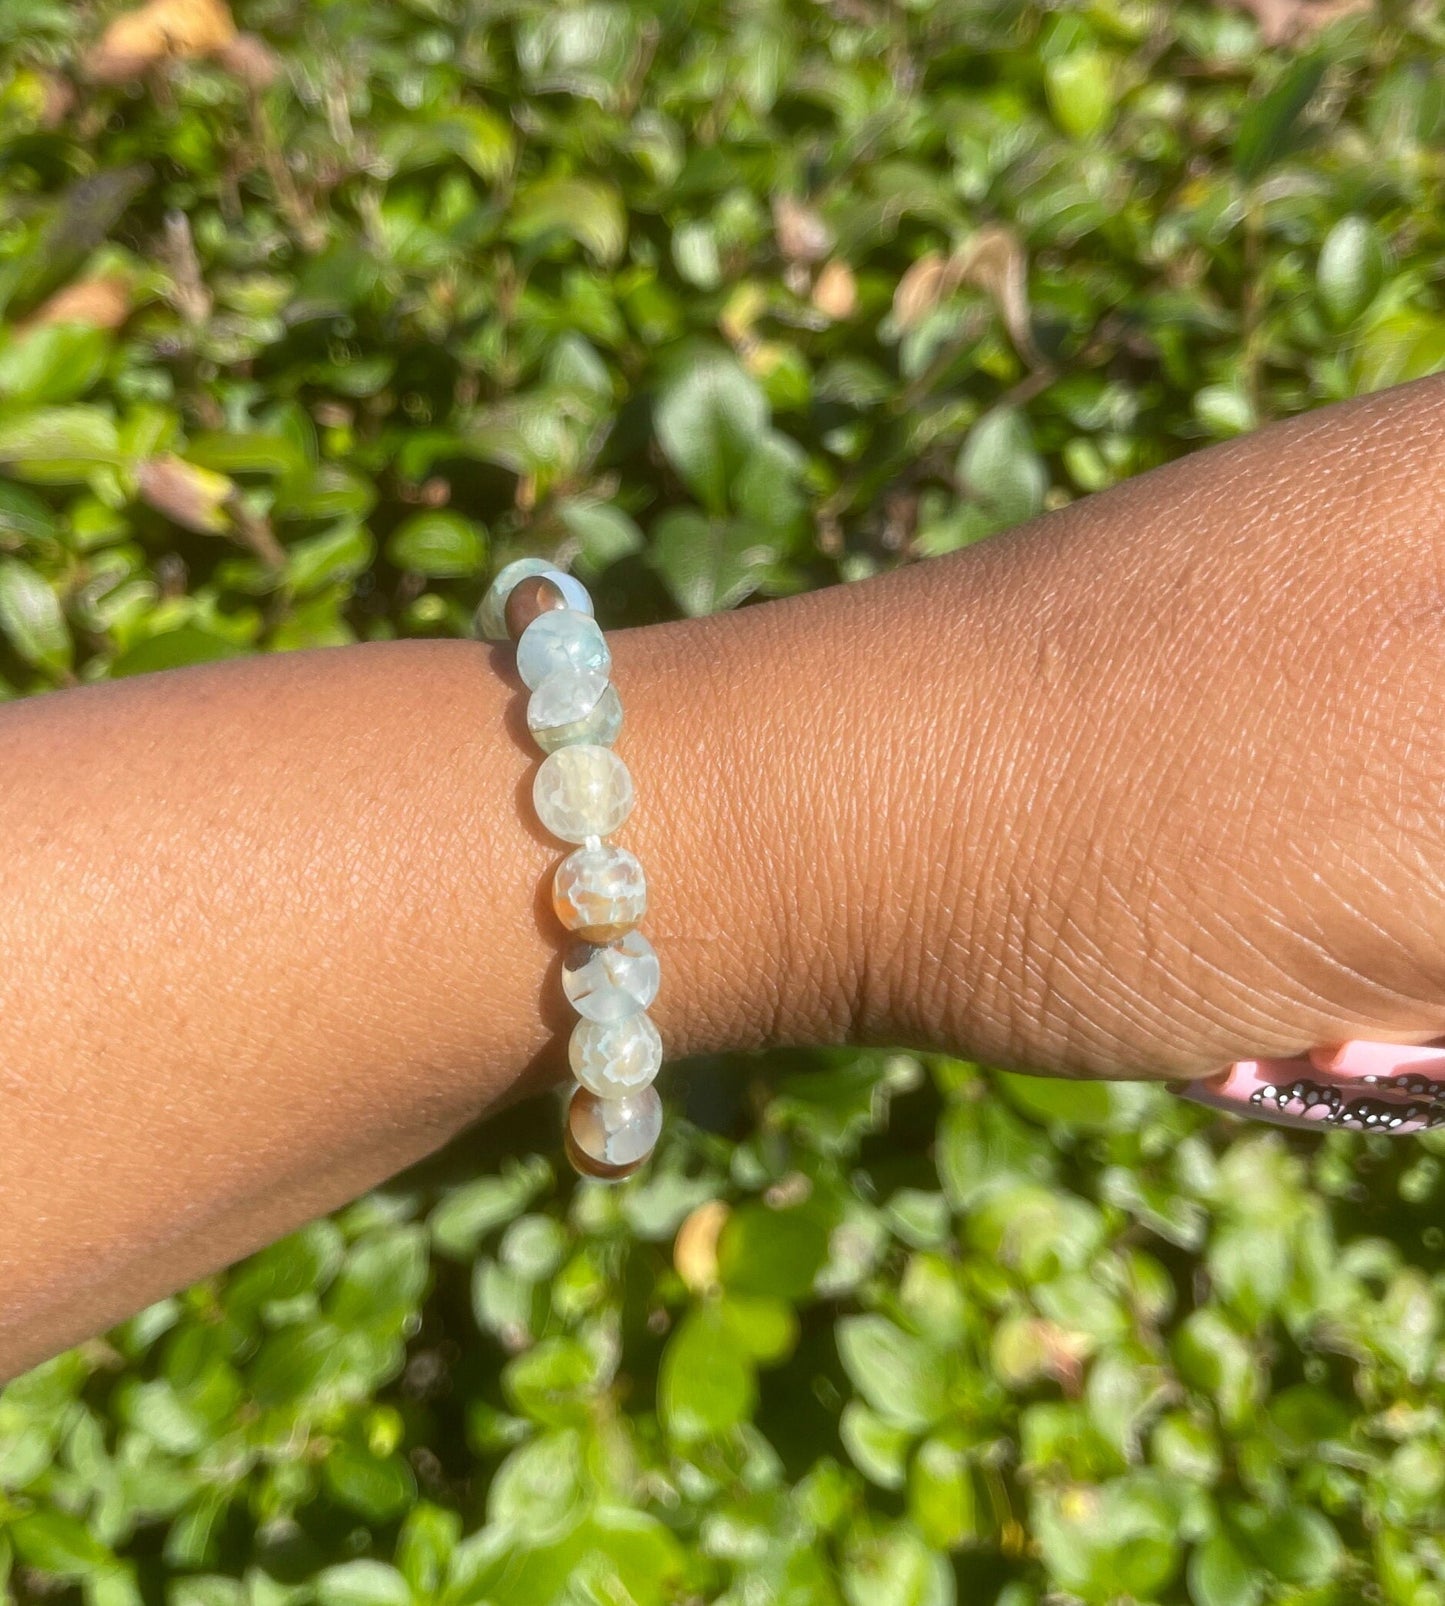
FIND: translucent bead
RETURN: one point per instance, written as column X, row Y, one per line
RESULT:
column 574, row 705
column 610, row 1138
column 491, row 620
column 564, row 639
column 582, row 791
column 607, row 981
column 599, row 892
column 615, row 1059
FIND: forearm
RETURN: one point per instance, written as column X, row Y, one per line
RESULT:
column 271, row 930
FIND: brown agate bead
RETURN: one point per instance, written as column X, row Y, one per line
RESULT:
column 611, row 1138
column 529, row 599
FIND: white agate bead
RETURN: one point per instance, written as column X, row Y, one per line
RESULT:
column 615, row 1059
column 610, row 1138
column 582, row 791
column 561, row 639
column 608, row 981
column 599, row 891
column 574, row 705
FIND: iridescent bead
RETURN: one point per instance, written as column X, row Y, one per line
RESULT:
column 599, row 891
column 565, row 639
column 607, row 981
column 611, row 1138
column 530, row 599
column 615, row 1059
column 582, row 791
column 491, row 620
column 574, row 705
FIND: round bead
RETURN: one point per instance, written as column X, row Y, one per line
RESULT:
column 599, row 892
column 491, row 618
column 574, row 705
column 610, row 1138
column 564, row 639
column 582, row 791
column 607, row 981
column 615, row 1059
column 530, row 599
column 574, row 593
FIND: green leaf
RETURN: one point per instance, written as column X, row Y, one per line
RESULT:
column 605, row 534
column 555, row 1381
column 1081, row 91
column 764, row 1328
column 1352, row 267
column 118, row 1587
column 896, row 1568
column 24, row 516
column 1081, row 1105
column 31, row 618
column 705, row 1385
column 708, row 420
column 540, row 1488
column 186, row 644
column 774, row 1252
column 58, row 445
column 588, row 211
column 695, row 254
column 583, row 50
column 362, row 1583
column 425, row 1545
column 877, row 1447
column 54, row 363
column 382, row 1279
column 378, row 1487
column 941, row 1495
column 1295, row 1544
column 468, row 1213
column 334, row 556
column 709, row 563
column 1268, row 128
column 902, row 1377
column 54, row 1542
column 1212, row 1356
column 998, row 464
column 442, row 545
column 1220, row 1576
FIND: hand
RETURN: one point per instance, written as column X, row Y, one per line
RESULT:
column 1164, row 784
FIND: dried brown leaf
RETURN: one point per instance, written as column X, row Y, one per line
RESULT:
column 835, row 291
column 918, row 292
column 252, row 60
column 195, row 498
column 694, row 1250
column 161, row 31
column 803, row 236
column 993, row 260
column 103, row 302
column 1283, row 22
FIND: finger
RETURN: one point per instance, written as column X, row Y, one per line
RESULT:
column 1359, row 1086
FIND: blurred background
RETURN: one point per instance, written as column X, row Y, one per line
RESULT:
column 313, row 315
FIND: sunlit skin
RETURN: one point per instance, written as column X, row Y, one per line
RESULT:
column 1149, row 786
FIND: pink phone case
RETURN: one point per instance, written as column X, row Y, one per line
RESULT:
column 1364, row 1086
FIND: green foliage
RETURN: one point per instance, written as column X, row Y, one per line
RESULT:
column 714, row 302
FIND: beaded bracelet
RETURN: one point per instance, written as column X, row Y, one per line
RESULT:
column 583, row 793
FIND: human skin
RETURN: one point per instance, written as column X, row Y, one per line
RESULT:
column 1143, row 788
